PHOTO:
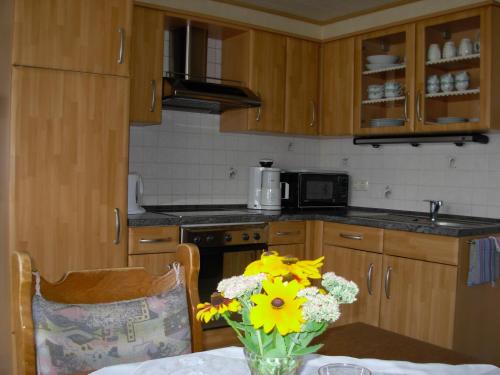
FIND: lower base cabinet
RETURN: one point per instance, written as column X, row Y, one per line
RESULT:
column 419, row 299
column 365, row 269
column 155, row 264
column 294, row 250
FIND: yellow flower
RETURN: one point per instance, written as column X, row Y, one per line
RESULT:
column 290, row 268
column 279, row 307
column 219, row 305
column 270, row 263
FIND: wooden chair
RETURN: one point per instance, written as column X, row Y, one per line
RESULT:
column 94, row 286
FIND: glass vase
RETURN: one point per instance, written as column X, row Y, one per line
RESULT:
column 261, row 365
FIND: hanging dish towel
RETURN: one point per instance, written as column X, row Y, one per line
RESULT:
column 484, row 261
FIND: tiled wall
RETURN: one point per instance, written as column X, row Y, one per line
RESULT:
column 466, row 178
column 186, row 160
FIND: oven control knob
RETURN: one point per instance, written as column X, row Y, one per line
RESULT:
column 228, row 237
column 256, row 236
column 245, row 236
column 197, row 240
column 210, row 238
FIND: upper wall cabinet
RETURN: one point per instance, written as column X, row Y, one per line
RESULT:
column 146, row 67
column 301, row 97
column 458, row 75
column 256, row 59
column 337, row 83
column 78, row 35
column 384, row 81
column 436, row 75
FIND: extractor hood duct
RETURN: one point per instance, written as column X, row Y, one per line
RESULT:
column 187, row 87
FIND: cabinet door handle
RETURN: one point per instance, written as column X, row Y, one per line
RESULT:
column 153, row 95
column 259, row 110
column 155, row 240
column 369, row 279
column 281, row 234
column 419, row 110
column 387, row 284
column 406, row 107
column 118, row 226
column 121, row 51
column 348, row 236
column 313, row 114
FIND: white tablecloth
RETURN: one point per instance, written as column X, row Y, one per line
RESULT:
column 231, row 361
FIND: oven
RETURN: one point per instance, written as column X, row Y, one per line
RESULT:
column 225, row 251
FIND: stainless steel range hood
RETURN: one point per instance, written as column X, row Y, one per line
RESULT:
column 187, row 88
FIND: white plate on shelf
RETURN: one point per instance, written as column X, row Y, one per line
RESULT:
column 383, row 122
column 449, row 120
column 382, row 59
column 380, row 66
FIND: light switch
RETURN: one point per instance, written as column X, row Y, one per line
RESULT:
column 360, row 185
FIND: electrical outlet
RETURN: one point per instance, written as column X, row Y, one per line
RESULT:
column 360, row 185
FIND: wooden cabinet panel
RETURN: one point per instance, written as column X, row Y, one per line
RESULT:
column 78, row 35
column 267, row 79
column 286, row 232
column 353, row 236
column 295, row 250
column 440, row 249
column 337, row 88
column 153, row 239
column 155, row 264
column 365, row 269
column 301, row 98
column 419, row 299
column 69, row 150
column 146, row 67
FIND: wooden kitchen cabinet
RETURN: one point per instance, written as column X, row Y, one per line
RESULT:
column 370, row 114
column 143, row 240
column 365, row 269
column 69, row 167
column 352, row 251
column 337, row 88
column 155, row 264
column 293, row 250
column 78, row 35
column 146, row 66
column 419, row 299
column 258, row 60
column 301, row 96
column 286, row 232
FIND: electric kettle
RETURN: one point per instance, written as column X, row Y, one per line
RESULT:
column 264, row 190
column 135, row 191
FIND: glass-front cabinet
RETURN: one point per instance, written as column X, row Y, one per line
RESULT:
column 451, row 60
column 384, row 86
column 436, row 75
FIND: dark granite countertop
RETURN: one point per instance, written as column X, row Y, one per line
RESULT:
column 379, row 218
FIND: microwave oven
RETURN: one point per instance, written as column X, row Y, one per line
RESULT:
column 314, row 189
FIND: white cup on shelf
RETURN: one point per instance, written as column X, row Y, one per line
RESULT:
column 465, row 48
column 449, row 50
column 434, row 52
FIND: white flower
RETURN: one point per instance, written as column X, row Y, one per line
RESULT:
column 237, row 286
column 343, row 290
column 320, row 308
column 310, row 291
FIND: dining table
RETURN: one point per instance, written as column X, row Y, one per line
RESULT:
column 380, row 351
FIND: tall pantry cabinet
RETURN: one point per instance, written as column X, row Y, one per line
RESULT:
column 68, row 136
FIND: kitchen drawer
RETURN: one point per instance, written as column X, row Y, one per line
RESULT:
column 353, row 237
column 143, row 240
column 432, row 248
column 286, row 232
column 155, row 264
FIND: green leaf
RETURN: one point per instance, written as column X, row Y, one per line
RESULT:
column 279, row 343
column 307, row 350
column 249, row 344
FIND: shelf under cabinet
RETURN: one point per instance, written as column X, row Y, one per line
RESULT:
column 452, row 93
column 383, row 100
column 455, row 59
column 383, row 70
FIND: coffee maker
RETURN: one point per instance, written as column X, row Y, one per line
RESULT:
column 264, row 191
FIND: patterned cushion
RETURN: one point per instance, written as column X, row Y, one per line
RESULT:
column 84, row 337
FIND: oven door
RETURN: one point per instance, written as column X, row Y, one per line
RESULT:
column 217, row 263
column 323, row 190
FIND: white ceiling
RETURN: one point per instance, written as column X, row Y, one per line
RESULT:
column 317, row 10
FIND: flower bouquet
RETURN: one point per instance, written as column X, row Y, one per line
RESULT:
column 275, row 311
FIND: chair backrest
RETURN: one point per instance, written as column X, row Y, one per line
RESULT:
column 94, row 286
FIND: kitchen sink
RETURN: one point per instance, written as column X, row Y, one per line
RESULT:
column 425, row 220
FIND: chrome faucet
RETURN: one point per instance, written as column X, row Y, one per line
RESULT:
column 434, row 208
